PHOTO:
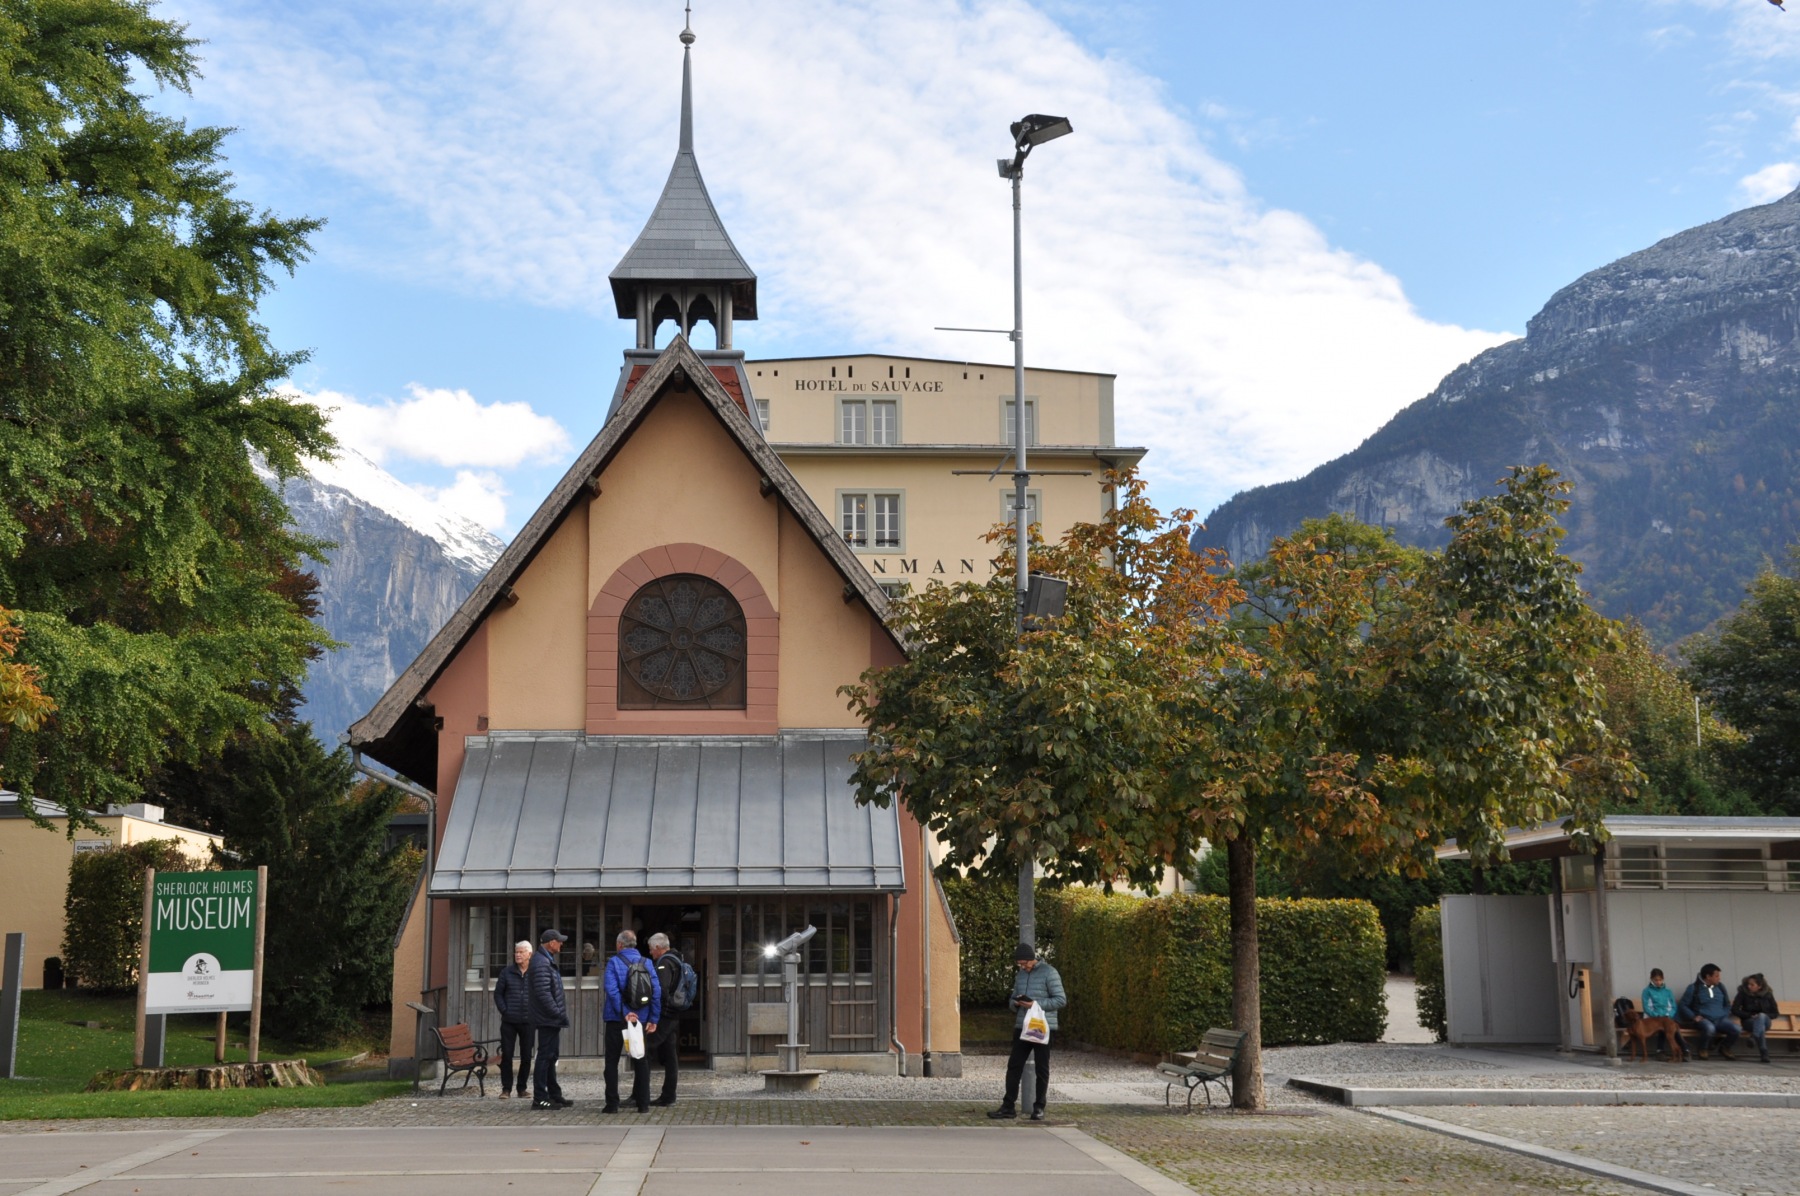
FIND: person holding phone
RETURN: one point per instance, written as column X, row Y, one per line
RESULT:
column 1038, row 982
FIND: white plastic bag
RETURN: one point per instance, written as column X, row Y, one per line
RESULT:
column 1037, row 1026
column 634, row 1039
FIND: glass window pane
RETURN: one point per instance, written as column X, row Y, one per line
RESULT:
column 885, row 422
column 862, row 921
column 727, row 916
column 853, row 426
column 887, row 521
column 762, row 415
column 854, row 518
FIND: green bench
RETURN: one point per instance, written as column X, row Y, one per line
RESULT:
column 1211, row 1064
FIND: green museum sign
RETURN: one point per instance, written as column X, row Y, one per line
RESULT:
column 201, row 928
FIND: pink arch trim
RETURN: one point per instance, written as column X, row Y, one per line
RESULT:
column 759, row 716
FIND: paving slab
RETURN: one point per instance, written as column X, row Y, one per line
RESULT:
column 467, row 1150
column 1373, row 1097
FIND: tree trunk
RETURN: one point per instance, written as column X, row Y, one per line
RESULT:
column 1246, row 973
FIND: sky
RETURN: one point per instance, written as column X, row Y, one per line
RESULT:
column 1276, row 224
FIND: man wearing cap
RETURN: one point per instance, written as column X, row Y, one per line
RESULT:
column 549, row 1013
column 1036, row 981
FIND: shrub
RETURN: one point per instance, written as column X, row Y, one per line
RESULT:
column 1428, row 968
column 1152, row 975
column 103, row 913
column 987, row 921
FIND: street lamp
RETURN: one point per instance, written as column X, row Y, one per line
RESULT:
column 1027, row 135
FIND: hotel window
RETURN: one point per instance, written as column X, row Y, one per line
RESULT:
column 868, row 421
column 1032, row 507
column 870, row 520
column 1006, row 421
column 762, row 415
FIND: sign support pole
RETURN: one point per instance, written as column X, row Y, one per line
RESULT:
column 12, row 981
column 262, row 907
column 219, row 1041
column 137, row 1051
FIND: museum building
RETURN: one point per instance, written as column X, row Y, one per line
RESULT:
column 635, row 721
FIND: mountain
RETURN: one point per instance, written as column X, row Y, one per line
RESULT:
column 1666, row 386
column 401, row 567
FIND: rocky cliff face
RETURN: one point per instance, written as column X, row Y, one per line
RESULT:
column 400, row 569
column 1666, row 386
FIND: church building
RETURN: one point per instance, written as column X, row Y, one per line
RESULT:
column 634, row 720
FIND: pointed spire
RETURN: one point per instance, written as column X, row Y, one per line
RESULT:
column 687, row 85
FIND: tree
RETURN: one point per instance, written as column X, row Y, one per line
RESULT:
column 336, row 887
column 22, row 702
column 1047, row 746
column 1392, row 700
column 142, row 553
column 103, row 909
column 1749, row 669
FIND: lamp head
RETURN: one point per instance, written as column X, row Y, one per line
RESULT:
column 1037, row 128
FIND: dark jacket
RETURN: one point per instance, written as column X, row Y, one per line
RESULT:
column 1705, row 1001
column 1042, row 984
column 512, row 995
column 616, row 968
column 668, row 979
column 546, row 985
column 1747, row 1004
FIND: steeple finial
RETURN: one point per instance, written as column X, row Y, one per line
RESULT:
column 687, row 86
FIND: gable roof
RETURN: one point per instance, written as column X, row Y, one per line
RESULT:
column 390, row 732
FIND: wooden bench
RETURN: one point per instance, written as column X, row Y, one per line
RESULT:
column 462, row 1053
column 1210, row 1064
column 1783, row 1027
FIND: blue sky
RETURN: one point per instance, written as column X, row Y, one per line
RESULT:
column 1276, row 224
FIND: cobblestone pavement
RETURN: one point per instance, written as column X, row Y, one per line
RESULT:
column 1734, row 1150
column 1389, row 1065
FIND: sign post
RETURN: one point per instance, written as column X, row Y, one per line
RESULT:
column 12, row 981
column 202, row 948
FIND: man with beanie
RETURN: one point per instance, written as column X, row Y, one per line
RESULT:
column 1035, row 981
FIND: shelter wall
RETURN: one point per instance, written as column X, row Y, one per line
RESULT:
column 1500, row 982
column 1678, row 931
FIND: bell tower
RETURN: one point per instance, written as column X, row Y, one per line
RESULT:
column 683, row 267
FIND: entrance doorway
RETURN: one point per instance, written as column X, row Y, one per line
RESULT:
column 686, row 927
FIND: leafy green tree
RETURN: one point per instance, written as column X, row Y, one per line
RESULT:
column 1749, row 669
column 22, row 702
column 336, row 887
column 144, row 557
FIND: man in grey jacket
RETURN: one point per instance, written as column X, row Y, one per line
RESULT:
column 1036, row 981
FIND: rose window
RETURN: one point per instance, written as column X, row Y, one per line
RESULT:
column 681, row 645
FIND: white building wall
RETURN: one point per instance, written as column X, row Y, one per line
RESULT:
column 1499, row 970
column 1680, row 931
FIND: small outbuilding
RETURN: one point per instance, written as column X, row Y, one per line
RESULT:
column 1660, row 892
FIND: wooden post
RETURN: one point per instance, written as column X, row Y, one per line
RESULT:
column 262, row 906
column 137, row 1049
column 219, row 1042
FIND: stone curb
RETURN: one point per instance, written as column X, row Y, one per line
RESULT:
column 1366, row 1098
column 1562, row 1158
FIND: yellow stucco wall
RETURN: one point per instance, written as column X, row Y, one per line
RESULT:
column 408, row 962
column 824, row 640
column 34, row 875
column 946, row 979
column 537, row 664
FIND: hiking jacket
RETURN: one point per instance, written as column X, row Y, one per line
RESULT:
column 1705, row 1001
column 667, row 967
column 1043, row 985
column 616, row 968
column 1659, row 1001
column 512, row 995
column 1747, row 1004
column 546, row 991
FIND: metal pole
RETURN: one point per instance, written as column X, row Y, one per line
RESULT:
column 1022, row 554
column 12, row 982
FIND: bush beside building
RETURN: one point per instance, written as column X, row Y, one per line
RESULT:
column 1428, row 969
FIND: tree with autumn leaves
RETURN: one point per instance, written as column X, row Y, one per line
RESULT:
column 1343, row 697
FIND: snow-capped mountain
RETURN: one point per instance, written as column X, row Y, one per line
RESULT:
column 401, row 566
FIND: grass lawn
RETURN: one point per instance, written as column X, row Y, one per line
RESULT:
column 987, row 1030
column 59, row 1053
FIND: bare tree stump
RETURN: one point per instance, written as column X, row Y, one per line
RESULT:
column 292, row 1073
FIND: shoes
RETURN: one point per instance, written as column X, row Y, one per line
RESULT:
column 1037, row 1114
column 544, row 1104
column 564, row 1104
column 1699, row 1054
column 665, row 1102
column 609, row 1109
column 1004, row 1113
column 1727, row 1055
column 1764, row 1057
column 504, row 1094
column 643, row 1108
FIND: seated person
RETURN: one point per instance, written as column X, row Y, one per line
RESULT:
column 1754, row 1005
column 1659, row 1001
column 1704, row 1005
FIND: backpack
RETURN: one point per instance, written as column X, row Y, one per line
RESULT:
column 640, row 986
column 682, row 997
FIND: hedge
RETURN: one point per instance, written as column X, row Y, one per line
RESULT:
column 103, row 911
column 1152, row 975
column 987, row 922
column 1428, row 969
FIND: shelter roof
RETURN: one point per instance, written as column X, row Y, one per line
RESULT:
column 1550, row 838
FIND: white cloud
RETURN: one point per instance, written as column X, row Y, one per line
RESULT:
column 444, row 427
column 479, row 496
column 1771, row 182
column 516, row 149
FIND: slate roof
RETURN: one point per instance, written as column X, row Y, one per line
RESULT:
column 545, row 813
column 684, row 240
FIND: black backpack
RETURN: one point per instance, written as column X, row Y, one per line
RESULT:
column 680, row 996
column 640, row 986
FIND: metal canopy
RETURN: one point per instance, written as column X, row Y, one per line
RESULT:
column 565, row 813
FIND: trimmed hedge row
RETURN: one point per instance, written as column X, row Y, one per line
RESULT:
column 1152, row 975
column 1428, row 969
column 987, row 922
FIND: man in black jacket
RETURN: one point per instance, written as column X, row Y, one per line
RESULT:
column 549, row 1014
column 663, row 1048
column 512, row 997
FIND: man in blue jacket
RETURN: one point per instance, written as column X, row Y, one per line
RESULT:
column 1706, row 1004
column 620, row 1010
column 549, row 1013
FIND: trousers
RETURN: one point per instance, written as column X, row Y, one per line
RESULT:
column 640, row 1073
column 543, row 1078
column 515, row 1037
column 1015, row 1070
